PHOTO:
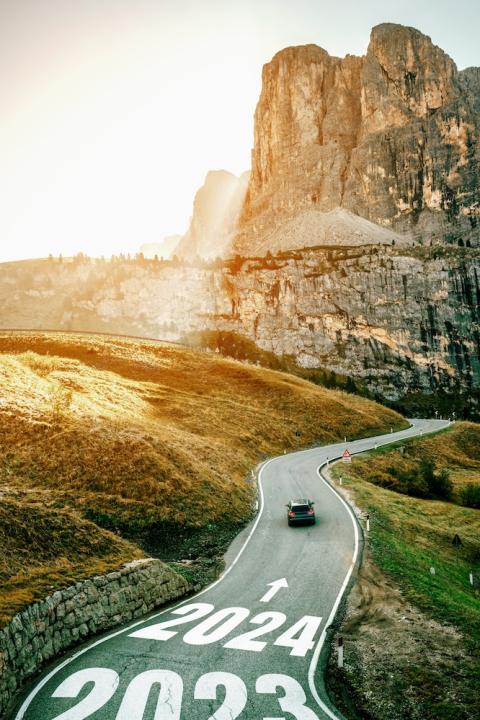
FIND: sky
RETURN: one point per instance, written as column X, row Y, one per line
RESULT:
column 113, row 111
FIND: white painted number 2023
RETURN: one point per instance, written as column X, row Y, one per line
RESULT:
column 300, row 638
column 168, row 686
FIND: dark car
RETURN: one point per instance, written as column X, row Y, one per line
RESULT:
column 300, row 511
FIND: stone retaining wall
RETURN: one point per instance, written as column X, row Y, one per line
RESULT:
column 50, row 626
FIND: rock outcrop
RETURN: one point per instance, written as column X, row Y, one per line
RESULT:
column 216, row 210
column 401, row 320
column 392, row 136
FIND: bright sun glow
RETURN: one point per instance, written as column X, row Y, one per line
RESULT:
column 114, row 111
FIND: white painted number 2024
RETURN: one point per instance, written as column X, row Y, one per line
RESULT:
column 169, row 686
column 300, row 637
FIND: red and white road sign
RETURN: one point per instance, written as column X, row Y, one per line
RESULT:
column 347, row 456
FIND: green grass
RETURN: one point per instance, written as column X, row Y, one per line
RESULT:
column 406, row 550
column 410, row 535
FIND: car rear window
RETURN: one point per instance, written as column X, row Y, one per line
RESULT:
column 301, row 508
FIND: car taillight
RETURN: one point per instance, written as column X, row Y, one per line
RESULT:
column 310, row 512
column 291, row 514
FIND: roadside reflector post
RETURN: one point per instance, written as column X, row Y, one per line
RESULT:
column 345, row 439
column 391, row 430
column 340, row 652
column 328, row 461
column 432, row 571
column 471, row 579
column 341, row 480
column 368, row 522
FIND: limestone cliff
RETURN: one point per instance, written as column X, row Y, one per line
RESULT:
column 401, row 320
column 392, row 136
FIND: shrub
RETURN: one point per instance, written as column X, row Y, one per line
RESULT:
column 470, row 496
column 440, row 485
column 427, row 470
column 417, row 486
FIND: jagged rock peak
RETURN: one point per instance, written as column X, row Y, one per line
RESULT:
column 216, row 209
column 416, row 75
column 392, row 136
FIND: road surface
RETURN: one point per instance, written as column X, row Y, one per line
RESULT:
column 250, row 645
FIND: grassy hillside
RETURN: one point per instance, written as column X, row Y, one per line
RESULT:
column 410, row 535
column 43, row 548
column 152, row 441
column 455, row 451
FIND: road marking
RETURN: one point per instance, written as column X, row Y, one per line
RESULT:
column 168, row 688
column 26, row 703
column 268, row 622
column 318, row 649
column 275, row 586
column 158, row 631
column 34, row 692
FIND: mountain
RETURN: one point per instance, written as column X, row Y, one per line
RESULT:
column 392, row 137
column 164, row 249
column 216, row 210
column 352, row 247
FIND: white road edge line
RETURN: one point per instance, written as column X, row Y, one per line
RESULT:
column 321, row 642
column 316, row 654
column 25, row 705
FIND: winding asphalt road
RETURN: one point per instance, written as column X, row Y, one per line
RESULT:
column 242, row 648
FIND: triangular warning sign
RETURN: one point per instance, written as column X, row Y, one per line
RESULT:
column 347, row 456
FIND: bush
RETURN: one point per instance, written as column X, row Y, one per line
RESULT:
column 470, row 496
column 440, row 485
column 417, row 486
column 427, row 471
column 422, row 482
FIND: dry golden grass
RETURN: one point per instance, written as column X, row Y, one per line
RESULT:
column 134, row 434
column 170, row 430
column 43, row 548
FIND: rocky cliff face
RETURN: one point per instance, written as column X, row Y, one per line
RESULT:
column 400, row 320
column 392, row 136
column 165, row 249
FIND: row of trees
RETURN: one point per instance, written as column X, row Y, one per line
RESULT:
column 138, row 259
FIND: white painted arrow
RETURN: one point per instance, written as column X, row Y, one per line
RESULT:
column 274, row 588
